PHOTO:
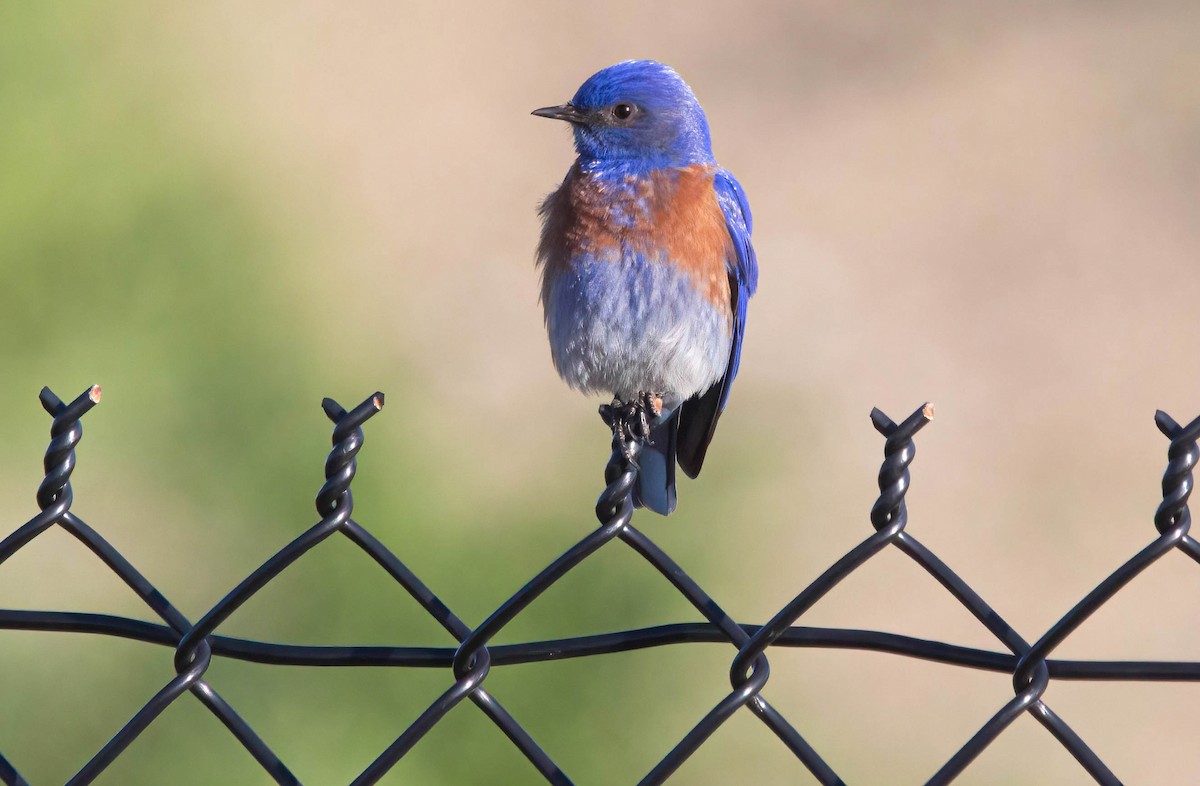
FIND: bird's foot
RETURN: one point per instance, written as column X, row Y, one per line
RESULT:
column 628, row 423
column 651, row 402
column 631, row 421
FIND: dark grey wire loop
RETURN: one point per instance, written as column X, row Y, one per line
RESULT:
column 65, row 433
column 470, row 662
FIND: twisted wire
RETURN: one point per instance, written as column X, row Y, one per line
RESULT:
column 1030, row 665
column 472, row 661
column 54, row 492
column 65, row 433
column 1031, row 676
column 899, row 450
column 334, row 502
column 1177, row 483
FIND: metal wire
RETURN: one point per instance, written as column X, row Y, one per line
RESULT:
column 469, row 664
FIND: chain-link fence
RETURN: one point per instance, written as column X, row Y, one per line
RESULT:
column 196, row 643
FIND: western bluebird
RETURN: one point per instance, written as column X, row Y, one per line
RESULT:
column 646, row 263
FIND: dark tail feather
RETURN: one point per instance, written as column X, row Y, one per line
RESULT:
column 697, row 422
column 656, row 478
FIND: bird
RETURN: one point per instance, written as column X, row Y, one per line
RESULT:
column 646, row 264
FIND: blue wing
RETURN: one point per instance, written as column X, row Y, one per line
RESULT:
column 743, row 268
column 698, row 416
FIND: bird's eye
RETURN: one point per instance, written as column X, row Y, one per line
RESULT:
column 622, row 111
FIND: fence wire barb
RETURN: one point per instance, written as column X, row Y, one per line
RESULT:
column 470, row 662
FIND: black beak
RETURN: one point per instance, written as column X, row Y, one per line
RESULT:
column 564, row 112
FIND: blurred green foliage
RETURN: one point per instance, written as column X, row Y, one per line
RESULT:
column 991, row 174
column 137, row 256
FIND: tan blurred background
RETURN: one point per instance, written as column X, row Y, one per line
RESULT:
column 222, row 214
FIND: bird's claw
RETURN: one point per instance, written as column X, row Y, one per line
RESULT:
column 651, row 402
column 631, row 421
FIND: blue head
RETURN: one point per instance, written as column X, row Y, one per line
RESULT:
column 639, row 114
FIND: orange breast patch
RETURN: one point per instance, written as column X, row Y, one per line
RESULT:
column 671, row 217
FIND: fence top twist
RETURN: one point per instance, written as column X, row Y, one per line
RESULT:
column 469, row 663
